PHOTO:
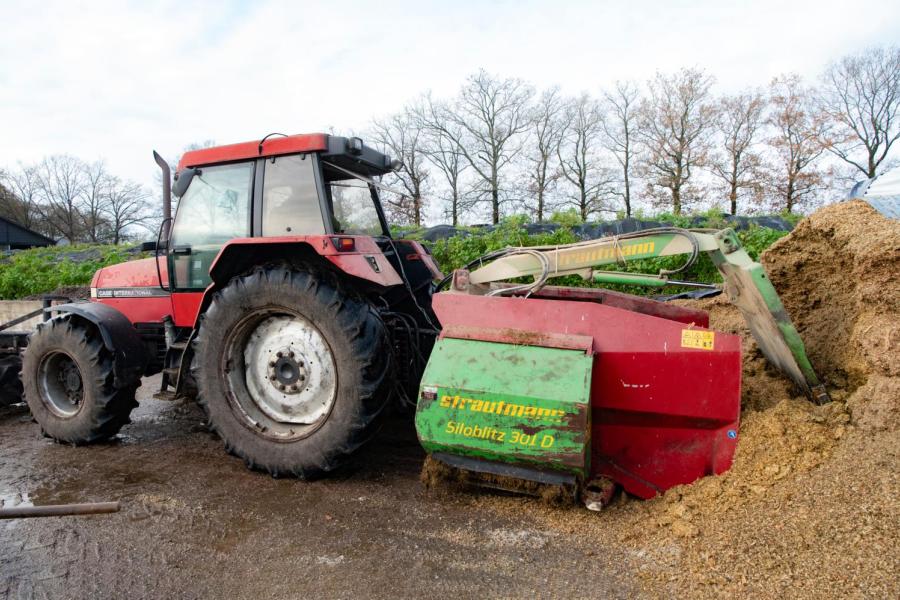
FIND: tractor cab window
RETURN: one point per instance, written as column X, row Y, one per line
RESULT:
column 353, row 204
column 290, row 198
column 214, row 210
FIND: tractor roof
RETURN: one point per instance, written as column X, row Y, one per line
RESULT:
column 349, row 153
column 272, row 146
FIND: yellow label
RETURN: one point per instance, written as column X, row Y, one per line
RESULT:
column 694, row 338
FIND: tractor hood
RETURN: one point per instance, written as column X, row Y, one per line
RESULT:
column 135, row 278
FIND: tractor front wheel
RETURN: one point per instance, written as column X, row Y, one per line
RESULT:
column 69, row 382
column 292, row 370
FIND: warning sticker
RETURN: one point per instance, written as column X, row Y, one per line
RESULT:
column 694, row 338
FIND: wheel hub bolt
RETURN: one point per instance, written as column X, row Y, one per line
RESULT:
column 286, row 370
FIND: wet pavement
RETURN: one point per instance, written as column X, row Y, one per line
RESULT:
column 195, row 523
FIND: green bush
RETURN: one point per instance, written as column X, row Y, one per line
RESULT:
column 566, row 218
column 43, row 270
column 458, row 251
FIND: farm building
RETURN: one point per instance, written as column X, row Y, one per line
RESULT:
column 15, row 237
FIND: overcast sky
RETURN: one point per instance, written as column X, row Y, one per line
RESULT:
column 118, row 80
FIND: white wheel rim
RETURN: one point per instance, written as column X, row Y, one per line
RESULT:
column 290, row 371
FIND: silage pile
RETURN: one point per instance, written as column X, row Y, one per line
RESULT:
column 812, row 502
column 838, row 275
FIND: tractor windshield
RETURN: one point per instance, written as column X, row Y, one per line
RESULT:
column 354, row 204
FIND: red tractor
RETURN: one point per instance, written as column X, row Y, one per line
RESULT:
column 277, row 297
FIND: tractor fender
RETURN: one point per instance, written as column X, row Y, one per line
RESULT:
column 118, row 334
column 366, row 262
column 241, row 254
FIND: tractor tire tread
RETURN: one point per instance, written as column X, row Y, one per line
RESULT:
column 11, row 389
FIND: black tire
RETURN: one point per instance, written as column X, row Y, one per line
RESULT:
column 357, row 340
column 11, row 389
column 89, row 410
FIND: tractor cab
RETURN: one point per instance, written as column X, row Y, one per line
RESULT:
column 291, row 186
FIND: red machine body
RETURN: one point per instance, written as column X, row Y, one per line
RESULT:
column 664, row 412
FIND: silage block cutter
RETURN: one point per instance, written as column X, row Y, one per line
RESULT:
column 586, row 388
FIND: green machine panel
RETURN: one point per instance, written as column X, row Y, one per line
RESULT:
column 522, row 404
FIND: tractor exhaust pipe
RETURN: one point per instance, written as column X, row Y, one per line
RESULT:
column 167, row 192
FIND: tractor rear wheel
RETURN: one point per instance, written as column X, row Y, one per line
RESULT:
column 69, row 383
column 292, row 370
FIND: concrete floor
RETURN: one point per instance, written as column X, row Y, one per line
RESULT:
column 195, row 523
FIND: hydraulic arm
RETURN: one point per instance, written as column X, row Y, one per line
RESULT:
column 745, row 283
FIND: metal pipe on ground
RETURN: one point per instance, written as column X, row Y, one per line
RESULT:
column 58, row 510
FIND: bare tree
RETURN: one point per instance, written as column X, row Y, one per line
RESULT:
column 620, row 123
column 93, row 201
column 798, row 142
column 126, row 205
column 403, row 137
column 861, row 97
column 486, row 123
column 736, row 163
column 21, row 204
column 61, row 184
column 580, row 163
column 442, row 151
column 675, row 127
column 547, row 129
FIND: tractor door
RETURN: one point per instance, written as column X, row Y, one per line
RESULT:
column 214, row 210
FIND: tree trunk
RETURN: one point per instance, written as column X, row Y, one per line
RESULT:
column 627, row 193
column 789, row 196
column 627, row 197
column 495, row 204
column 676, row 201
column 454, row 209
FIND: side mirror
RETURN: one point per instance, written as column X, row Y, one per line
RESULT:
column 183, row 180
column 148, row 246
